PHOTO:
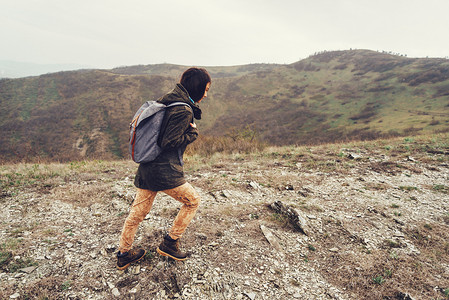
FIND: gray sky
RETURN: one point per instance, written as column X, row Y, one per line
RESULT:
column 110, row 33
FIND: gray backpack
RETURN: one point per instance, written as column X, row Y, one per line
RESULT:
column 144, row 131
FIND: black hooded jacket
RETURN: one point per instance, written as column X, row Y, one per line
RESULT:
column 166, row 172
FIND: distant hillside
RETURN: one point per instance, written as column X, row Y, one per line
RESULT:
column 331, row 96
column 336, row 96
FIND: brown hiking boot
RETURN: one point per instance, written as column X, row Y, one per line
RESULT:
column 127, row 258
column 170, row 247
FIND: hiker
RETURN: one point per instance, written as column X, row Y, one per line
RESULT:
column 165, row 173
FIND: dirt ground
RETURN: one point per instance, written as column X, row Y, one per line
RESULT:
column 376, row 216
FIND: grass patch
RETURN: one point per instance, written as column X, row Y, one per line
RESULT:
column 408, row 188
column 66, row 285
column 441, row 188
column 4, row 258
column 391, row 244
column 311, row 247
column 11, row 244
column 379, row 280
column 18, row 264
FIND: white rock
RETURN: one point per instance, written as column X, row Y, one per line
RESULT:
column 135, row 290
column 271, row 238
column 14, row 296
column 399, row 234
column 28, row 269
column 136, row 270
column 115, row 292
column 251, row 296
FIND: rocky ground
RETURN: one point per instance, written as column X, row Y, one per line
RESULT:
column 375, row 217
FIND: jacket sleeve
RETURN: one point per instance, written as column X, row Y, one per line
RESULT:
column 178, row 132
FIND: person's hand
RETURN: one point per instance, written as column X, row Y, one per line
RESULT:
column 193, row 125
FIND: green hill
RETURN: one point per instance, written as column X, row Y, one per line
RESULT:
column 330, row 96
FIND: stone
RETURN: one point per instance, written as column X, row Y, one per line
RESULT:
column 28, row 270
column 271, row 238
column 136, row 289
column 254, row 185
column 115, row 292
column 14, row 296
column 251, row 296
column 293, row 215
column 399, row 234
column 213, row 244
column 226, row 194
column 289, row 187
column 201, row 236
column 403, row 296
column 335, row 250
column 354, row 156
column 136, row 270
column 110, row 248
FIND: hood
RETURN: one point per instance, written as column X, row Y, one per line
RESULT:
column 180, row 94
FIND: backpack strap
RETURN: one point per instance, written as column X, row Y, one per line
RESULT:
column 193, row 120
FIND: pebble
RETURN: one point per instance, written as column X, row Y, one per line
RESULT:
column 254, row 185
column 136, row 270
column 115, row 292
column 399, row 234
column 136, row 289
column 251, row 296
column 14, row 296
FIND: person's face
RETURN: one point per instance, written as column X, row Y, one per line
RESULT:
column 205, row 92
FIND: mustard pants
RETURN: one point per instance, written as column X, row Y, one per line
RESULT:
column 142, row 204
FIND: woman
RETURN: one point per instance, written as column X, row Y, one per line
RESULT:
column 166, row 172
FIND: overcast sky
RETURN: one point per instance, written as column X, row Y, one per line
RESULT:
column 110, row 33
